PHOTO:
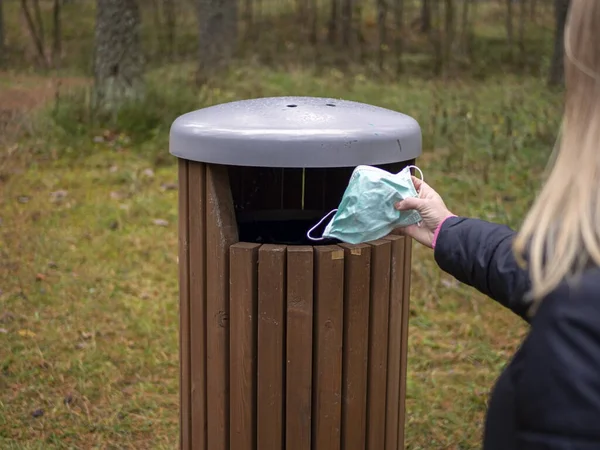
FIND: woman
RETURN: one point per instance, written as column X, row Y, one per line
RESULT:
column 548, row 397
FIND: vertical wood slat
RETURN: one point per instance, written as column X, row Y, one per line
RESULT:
column 184, row 309
column 299, row 332
column 378, row 343
column 394, row 343
column 404, row 337
column 327, row 347
column 197, row 277
column 357, row 274
column 271, row 329
column 221, row 233
column 243, row 325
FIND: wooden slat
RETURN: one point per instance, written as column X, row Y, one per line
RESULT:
column 221, row 233
column 197, row 275
column 243, row 263
column 327, row 347
column 357, row 276
column 299, row 348
column 184, row 310
column 404, row 338
column 378, row 348
column 271, row 328
column 394, row 343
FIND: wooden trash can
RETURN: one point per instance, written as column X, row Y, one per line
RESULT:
column 285, row 344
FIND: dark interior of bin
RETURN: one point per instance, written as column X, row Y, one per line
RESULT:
column 278, row 206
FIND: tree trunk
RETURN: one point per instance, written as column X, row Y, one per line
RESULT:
column 333, row 22
column 522, row 18
column 509, row 26
column 2, row 43
column 347, row 7
column 557, row 67
column 56, row 33
column 218, row 36
column 36, row 34
column 435, row 37
column 449, row 28
column 426, row 16
column 399, row 19
column 314, row 24
column 465, row 43
column 170, row 15
column 382, row 11
column 118, row 65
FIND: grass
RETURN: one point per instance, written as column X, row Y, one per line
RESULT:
column 88, row 278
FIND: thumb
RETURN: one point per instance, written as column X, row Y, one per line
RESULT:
column 409, row 203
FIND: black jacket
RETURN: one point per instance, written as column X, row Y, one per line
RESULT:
column 548, row 397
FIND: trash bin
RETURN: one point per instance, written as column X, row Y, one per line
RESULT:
column 284, row 344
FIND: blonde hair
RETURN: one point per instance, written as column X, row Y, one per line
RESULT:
column 560, row 236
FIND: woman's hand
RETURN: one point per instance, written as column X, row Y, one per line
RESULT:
column 432, row 209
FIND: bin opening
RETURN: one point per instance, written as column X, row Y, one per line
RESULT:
column 286, row 227
column 279, row 206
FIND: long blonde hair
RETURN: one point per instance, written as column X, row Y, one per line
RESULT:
column 560, row 236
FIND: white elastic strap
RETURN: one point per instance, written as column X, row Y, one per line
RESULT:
column 418, row 170
column 333, row 211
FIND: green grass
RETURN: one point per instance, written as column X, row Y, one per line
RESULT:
column 89, row 307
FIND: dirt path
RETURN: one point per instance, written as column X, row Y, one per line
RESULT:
column 25, row 92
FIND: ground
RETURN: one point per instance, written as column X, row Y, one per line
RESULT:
column 88, row 264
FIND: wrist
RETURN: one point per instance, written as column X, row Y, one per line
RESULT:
column 438, row 228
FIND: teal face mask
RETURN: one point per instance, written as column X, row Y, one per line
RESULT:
column 366, row 212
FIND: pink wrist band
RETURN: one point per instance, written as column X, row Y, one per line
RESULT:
column 437, row 230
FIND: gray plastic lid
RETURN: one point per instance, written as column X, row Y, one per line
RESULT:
column 295, row 132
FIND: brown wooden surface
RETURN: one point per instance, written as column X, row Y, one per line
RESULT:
column 243, row 263
column 327, row 371
column 378, row 339
column 299, row 331
column 184, row 310
column 357, row 275
column 197, row 275
column 394, row 343
column 271, row 327
column 404, row 338
column 221, row 233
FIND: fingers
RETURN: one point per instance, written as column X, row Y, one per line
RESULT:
column 417, row 182
column 409, row 203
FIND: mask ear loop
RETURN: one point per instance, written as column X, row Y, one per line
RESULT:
column 420, row 223
column 333, row 211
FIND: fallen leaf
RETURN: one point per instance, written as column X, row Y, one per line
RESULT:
column 37, row 413
column 449, row 283
column 7, row 317
column 26, row 333
column 40, row 277
column 58, row 195
column 160, row 222
column 169, row 186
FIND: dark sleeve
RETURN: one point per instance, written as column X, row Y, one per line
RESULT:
column 479, row 253
column 558, row 379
